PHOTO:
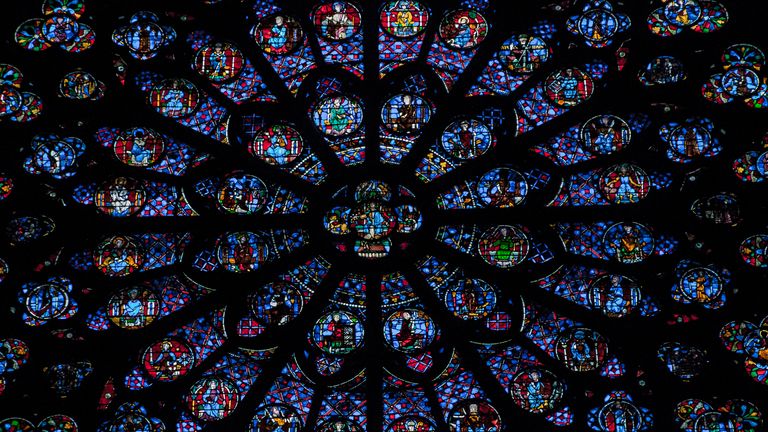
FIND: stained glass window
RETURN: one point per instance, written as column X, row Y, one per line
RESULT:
column 383, row 216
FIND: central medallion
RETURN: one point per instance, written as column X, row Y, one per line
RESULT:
column 368, row 218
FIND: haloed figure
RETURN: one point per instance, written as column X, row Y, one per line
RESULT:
column 338, row 25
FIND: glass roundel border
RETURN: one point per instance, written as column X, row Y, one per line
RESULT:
column 406, row 216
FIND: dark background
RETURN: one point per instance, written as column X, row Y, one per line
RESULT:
column 635, row 339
